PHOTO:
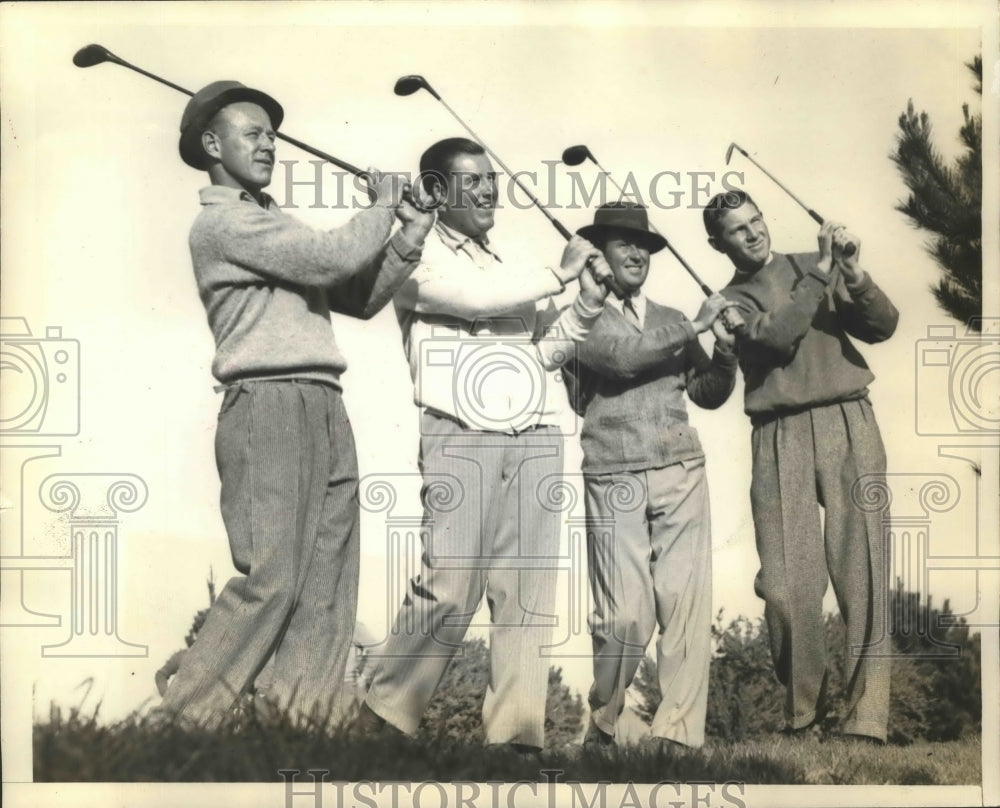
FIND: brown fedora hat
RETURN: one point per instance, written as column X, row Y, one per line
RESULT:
column 627, row 216
column 203, row 106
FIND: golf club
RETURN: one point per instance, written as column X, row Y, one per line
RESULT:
column 849, row 249
column 91, row 55
column 575, row 155
column 407, row 85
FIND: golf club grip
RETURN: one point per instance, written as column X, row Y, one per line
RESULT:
column 733, row 321
column 849, row 249
column 558, row 225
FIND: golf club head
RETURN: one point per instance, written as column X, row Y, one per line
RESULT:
column 91, row 55
column 408, row 85
column 729, row 152
column 575, row 155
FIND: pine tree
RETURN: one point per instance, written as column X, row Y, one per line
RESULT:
column 946, row 201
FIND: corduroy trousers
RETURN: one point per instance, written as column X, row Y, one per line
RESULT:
column 487, row 529
column 286, row 459
column 801, row 462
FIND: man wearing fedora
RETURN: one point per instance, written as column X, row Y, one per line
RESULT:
column 284, row 446
column 648, row 523
column 482, row 347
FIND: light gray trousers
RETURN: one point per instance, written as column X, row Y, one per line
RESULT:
column 286, row 459
column 649, row 540
column 487, row 529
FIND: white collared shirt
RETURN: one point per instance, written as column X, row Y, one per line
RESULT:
column 638, row 302
column 473, row 335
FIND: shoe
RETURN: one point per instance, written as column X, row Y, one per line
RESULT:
column 597, row 738
column 663, row 746
column 369, row 724
column 527, row 753
column 811, row 731
column 862, row 740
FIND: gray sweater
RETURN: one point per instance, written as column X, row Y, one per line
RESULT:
column 629, row 387
column 795, row 352
column 269, row 282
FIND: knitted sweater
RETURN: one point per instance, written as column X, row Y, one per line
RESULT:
column 629, row 387
column 795, row 352
column 268, row 283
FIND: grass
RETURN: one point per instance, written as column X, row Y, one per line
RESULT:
column 254, row 748
column 839, row 762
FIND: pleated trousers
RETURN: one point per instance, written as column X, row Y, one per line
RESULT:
column 487, row 530
column 802, row 462
column 649, row 539
column 287, row 463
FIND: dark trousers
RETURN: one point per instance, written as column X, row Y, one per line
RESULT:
column 800, row 463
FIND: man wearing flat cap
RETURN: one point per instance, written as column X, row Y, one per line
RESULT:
column 284, row 446
column 648, row 523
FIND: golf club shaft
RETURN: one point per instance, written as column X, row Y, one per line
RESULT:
column 705, row 288
column 287, row 138
column 849, row 249
column 555, row 222
column 731, row 319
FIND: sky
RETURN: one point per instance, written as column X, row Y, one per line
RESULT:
column 97, row 205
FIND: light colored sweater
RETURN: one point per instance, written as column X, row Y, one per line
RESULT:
column 268, row 283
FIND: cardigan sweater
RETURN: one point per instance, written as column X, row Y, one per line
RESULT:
column 795, row 352
column 268, row 283
column 629, row 387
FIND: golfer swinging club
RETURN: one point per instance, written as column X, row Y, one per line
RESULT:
column 284, row 446
column 814, row 436
column 649, row 535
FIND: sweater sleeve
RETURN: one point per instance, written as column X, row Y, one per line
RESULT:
column 454, row 290
column 864, row 310
column 556, row 340
column 624, row 356
column 776, row 334
column 710, row 381
column 279, row 247
column 365, row 294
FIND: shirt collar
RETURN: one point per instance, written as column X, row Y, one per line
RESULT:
column 456, row 241
column 221, row 194
column 638, row 299
column 638, row 302
column 743, row 274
